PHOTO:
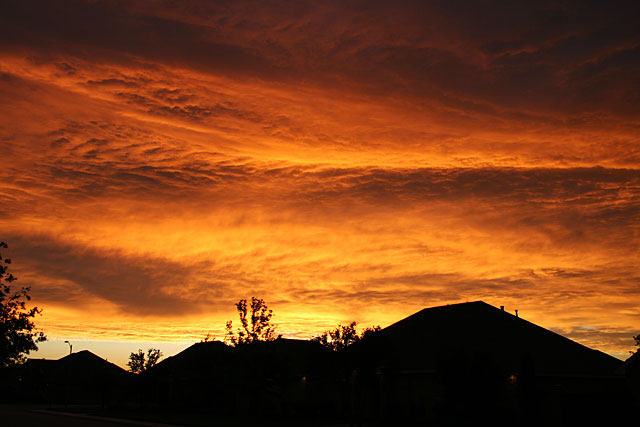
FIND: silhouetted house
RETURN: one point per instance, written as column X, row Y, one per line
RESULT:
column 199, row 376
column 470, row 363
column 80, row 377
column 28, row 382
column 90, row 378
column 631, row 370
column 267, row 378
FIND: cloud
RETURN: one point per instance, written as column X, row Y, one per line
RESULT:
column 114, row 30
column 521, row 60
column 136, row 284
column 112, row 82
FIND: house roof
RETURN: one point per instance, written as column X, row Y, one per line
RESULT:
column 215, row 359
column 631, row 365
column 198, row 359
column 77, row 368
column 475, row 331
column 85, row 361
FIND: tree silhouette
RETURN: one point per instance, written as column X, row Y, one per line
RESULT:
column 256, row 323
column 140, row 362
column 367, row 332
column 17, row 337
column 208, row 338
column 637, row 340
column 343, row 336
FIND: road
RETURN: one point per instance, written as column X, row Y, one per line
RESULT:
column 28, row 416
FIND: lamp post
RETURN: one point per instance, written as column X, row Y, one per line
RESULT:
column 70, row 347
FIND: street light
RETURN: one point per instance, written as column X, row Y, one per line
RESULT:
column 70, row 347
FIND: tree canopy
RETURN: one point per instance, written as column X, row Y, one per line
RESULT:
column 140, row 362
column 343, row 336
column 255, row 320
column 17, row 336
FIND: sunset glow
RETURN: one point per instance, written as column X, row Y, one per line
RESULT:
column 341, row 160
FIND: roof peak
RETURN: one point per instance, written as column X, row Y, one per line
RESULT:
column 457, row 304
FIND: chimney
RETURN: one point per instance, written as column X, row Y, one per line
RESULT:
column 516, row 313
column 502, row 307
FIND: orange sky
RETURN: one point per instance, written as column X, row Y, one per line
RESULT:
column 342, row 160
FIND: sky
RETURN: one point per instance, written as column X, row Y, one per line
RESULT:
column 342, row 160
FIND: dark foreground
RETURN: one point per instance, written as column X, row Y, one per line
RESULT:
column 457, row 365
column 28, row 416
column 95, row 416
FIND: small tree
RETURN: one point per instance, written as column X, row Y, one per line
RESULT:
column 255, row 321
column 343, row 336
column 369, row 331
column 637, row 340
column 140, row 362
column 17, row 337
column 208, row 338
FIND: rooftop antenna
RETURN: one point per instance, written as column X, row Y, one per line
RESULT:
column 70, row 347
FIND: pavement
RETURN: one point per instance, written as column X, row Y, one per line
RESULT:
column 43, row 416
column 39, row 416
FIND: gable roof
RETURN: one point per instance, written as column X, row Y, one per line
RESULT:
column 478, row 330
column 631, row 366
column 198, row 359
column 216, row 359
column 85, row 362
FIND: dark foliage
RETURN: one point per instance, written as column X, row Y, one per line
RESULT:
column 17, row 336
column 343, row 336
column 140, row 362
column 256, row 323
column 208, row 338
